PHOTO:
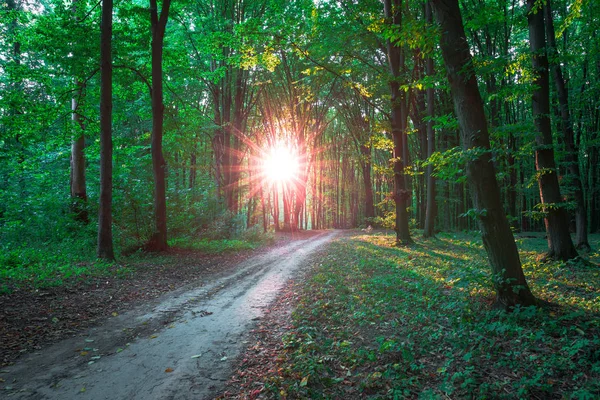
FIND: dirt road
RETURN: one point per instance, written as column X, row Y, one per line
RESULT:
column 183, row 344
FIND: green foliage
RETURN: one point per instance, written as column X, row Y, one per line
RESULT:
column 416, row 323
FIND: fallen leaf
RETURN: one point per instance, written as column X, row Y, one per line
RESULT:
column 55, row 320
column 115, row 314
column 224, row 358
column 153, row 336
column 197, row 356
column 304, row 381
column 119, row 350
column 169, row 370
column 89, row 340
column 83, row 353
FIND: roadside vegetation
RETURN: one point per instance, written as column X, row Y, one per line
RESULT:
column 67, row 258
column 377, row 321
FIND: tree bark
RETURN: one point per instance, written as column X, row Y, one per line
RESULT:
column 509, row 280
column 105, row 242
column 398, row 121
column 78, row 186
column 560, row 245
column 78, row 183
column 158, row 25
column 431, row 209
column 572, row 157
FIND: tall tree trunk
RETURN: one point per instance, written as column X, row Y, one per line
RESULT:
column 105, row 242
column 78, row 184
column 158, row 25
column 568, row 133
column 509, row 280
column 560, row 245
column 393, row 13
column 365, row 151
column 431, row 209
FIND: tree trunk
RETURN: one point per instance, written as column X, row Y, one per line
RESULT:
column 158, row 25
column 568, row 134
column 365, row 151
column 393, row 13
column 105, row 242
column 509, row 280
column 560, row 245
column 77, row 181
column 78, row 186
column 431, row 209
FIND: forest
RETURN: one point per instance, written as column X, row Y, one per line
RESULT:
column 144, row 127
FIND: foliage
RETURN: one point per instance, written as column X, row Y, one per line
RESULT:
column 378, row 321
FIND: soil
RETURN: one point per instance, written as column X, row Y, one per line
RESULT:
column 171, row 330
column 32, row 319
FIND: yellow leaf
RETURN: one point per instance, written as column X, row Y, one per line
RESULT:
column 304, row 381
column 83, row 353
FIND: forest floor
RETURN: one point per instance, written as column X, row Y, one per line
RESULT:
column 180, row 345
column 32, row 318
column 360, row 318
column 370, row 320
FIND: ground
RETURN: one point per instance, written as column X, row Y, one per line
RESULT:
column 178, row 345
column 31, row 319
column 360, row 318
column 370, row 320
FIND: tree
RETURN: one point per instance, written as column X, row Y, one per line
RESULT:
column 568, row 133
column 398, row 121
column 431, row 209
column 105, row 242
column 158, row 25
column 560, row 245
column 78, row 183
column 509, row 280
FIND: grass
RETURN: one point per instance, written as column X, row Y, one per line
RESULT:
column 216, row 246
column 375, row 321
column 71, row 261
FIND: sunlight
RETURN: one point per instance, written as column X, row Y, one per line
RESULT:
column 280, row 164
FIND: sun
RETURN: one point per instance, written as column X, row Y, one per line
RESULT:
column 280, row 164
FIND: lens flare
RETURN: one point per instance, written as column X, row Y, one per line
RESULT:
column 280, row 164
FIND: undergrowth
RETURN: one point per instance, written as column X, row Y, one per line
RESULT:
column 376, row 321
column 67, row 262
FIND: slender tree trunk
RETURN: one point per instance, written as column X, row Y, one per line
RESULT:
column 568, row 133
column 78, row 184
column 393, row 12
column 365, row 151
column 158, row 25
column 509, row 280
column 105, row 242
column 77, row 178
column 560, row 245
column 431, row 209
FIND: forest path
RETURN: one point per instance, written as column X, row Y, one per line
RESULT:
column 188, row 342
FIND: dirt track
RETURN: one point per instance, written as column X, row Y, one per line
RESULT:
column 185, row 345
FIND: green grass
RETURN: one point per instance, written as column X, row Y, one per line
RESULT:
column 215, row 246
column 375, row 321
column 71, row 261
column 51, row 266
